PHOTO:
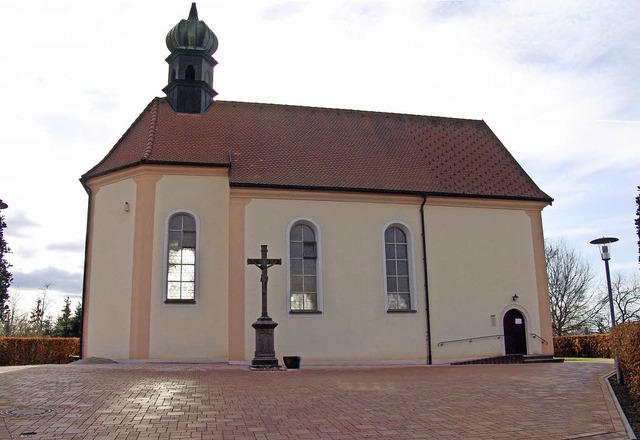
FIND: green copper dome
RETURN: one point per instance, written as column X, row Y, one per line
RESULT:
column 192, row 34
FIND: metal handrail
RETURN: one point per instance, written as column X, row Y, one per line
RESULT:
column 440, row 344
column 544, row 341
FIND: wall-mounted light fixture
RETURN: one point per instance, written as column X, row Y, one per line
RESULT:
column 126, row 207
column 515, row 297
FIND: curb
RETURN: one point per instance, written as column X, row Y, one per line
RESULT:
column 623, row 417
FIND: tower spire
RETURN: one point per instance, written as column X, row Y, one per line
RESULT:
column 193, row 13
column 192, row 44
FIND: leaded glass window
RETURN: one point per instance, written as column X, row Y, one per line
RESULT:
column 397, row 268
column 303, row 268
column 181, row 258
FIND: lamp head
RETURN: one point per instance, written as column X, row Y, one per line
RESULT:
column 604, row 244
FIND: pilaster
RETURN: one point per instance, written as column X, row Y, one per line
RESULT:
column 542, row 283
column 142, row 265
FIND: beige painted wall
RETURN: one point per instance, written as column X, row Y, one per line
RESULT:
column 354, row 324
column 109, row 290
column 478, row 258
column 200, row 330
column 171, row 331
column 479, row 255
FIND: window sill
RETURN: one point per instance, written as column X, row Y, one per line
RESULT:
column 401, row 311
column 179, row 301
column 305, row 312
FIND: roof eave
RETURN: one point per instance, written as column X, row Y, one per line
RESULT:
column 547, row 200
column 86, row 177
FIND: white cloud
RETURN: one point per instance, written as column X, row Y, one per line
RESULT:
column 18, row 224
column 557, row 82
column 58, row 279
column 76, row 246
column 283, row 10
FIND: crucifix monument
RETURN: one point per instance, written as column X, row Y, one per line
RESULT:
column 265, row 354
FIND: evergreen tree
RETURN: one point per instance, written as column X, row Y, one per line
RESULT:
column 36, row 318
column 5, row 275
column 76, row 322
column 64, row 323
column 40, row 322
column 47, row 327
column 638, row 222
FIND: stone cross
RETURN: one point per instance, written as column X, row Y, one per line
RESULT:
column 265, row 354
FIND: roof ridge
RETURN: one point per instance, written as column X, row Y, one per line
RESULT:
column 334, row 109
column 152, row 130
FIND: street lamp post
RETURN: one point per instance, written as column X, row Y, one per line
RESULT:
column 604, row 244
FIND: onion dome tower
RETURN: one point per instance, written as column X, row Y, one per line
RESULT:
column 192, row 44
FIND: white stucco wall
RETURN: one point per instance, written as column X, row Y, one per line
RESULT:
column 478, row 258
column 109, row 301
column 196, row 331
column 478, row 255
column 354, row 324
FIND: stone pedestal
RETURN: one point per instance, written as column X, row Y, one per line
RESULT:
column 265, row 354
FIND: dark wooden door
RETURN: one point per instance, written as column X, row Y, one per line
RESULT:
column 515, row 335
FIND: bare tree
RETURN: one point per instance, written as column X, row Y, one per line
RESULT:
column 12, row 317
column 574, row 306
column 625, row 291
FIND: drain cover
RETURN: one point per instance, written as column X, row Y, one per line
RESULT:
column 25, row 412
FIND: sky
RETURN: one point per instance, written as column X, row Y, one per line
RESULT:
column 557, row 82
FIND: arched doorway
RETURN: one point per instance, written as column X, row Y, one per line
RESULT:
column 515, row 334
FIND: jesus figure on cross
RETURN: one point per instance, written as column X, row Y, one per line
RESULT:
column 265, row 354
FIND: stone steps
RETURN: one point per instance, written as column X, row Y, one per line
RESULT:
column 540, row 358
column 512, row 359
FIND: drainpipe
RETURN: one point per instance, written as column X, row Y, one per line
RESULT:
column 426, row 283
column 84, row 275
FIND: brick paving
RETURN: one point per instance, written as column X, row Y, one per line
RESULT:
column 206, row 401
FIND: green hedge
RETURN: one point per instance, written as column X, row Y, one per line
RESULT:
column 627, row 337
column 583, row 346
column 33, row 351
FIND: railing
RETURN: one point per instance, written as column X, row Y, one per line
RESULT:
column 440, row 344
column 543, row 340
column 534, row 335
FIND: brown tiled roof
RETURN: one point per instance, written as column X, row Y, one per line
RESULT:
column 282, row 146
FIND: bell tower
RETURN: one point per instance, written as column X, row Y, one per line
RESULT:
column 190, row 84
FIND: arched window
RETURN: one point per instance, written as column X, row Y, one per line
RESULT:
column 304, row 281
column 398, row 285
column 181, row 259
column 190, row 73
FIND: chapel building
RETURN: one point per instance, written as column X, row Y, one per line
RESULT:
column 403, row 238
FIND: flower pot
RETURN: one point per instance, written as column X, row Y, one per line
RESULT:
column 291, row 362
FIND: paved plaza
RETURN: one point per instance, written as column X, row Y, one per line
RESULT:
column 214, row 401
